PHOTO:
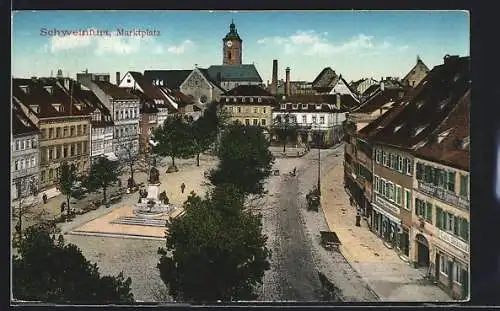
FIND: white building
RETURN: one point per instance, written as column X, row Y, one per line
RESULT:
column 25, row 154
column 124, row 110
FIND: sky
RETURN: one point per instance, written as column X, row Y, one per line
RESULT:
column 356, row 44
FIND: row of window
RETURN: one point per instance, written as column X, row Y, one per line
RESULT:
column 24, row 144
column 64, row 131
column 302, row 106
column 256, row 122
column 446, row 265
column 63, row 151
column 394, row 161
column 25, row 163
column 51, row 174
column 392, row 192
column 315, row 119
column 127, row 114
column 97, row 131
column 445, row 221
column 98, row 117
column 233, row 109
column 443, row 179
column 126, row 131
column 363, row 172
column 243, row 99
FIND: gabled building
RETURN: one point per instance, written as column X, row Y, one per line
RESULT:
column 201, row 87
column 398, row 139
column 416, row 74
column 231, row 76
column 124, row 107
column 249, row 105
column 64, row 124
column 360, row 86
column 318, row 115
column 25, row 155
column 442, row 201
column 358, row 149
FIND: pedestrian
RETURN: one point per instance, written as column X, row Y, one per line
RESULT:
column 294, row 171
column 44, row 198
column 63, row 205
column 183, row 186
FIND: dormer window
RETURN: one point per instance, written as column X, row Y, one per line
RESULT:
column 443, row 103
column 48, row 88
column 397, row 128
column 57, row 107
column 465, row 142
column 420, row 104
column 251, row 99
column 419, row 130
column 318, row 106
column 305, row 106
column 234, row 99
column 35, row 108
column 295, row 106
column 283, row 106
column 443, row 135
column 419, row 145
column 24, row 88
column 227, row 100
column 259, row 100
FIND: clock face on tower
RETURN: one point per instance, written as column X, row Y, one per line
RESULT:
column 229, row 44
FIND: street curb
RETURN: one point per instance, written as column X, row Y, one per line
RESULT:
column 117, row 235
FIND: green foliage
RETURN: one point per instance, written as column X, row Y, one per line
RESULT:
column 173, row 138
column 215, row 251
column 244, row 159
column 49, row 271
column 103, row 174
column 67, row 180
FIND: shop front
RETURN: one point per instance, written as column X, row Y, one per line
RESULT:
column 452, row 270
column 386, row 226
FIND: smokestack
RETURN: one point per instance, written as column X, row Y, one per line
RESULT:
column 274, row 81
column 118, row 78
column 287, row 81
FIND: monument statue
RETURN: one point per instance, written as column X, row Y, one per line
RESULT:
column 154, row 176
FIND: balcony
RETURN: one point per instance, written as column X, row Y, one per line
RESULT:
column 443, row 195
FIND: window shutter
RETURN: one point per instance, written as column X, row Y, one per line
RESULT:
column 439, row 218
column 464, row 228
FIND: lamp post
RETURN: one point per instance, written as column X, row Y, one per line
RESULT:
column 317, row 126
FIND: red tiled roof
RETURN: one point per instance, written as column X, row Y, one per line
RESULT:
column 379, row 99
column 115, row 91
column 431, row 102
column 448, row 151
column 21, row 124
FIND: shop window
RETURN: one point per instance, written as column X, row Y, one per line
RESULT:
column 457, row 273
column 443, row 264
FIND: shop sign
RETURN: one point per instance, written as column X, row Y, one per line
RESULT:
column 450, row 239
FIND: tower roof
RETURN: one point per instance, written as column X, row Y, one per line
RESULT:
column 233, row 33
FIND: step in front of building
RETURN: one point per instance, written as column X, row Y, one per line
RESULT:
column 127, row 220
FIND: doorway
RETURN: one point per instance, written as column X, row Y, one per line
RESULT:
column 422, row 251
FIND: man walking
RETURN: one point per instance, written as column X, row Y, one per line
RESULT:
column 183, row 186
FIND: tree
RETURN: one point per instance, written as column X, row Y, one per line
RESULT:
column 171, row 138
column 244, row 159
column 285, row 127
column 215, row 251
column 50, row 271
column 26, row 205
column 103, row 174
column 67, row 181
column 129, row 157
column 202, row 135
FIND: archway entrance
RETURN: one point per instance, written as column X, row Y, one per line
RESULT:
column 422, row 251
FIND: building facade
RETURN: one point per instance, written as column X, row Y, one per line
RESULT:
column 416, row 74
column 320, row 114
column 64, row 126
column 249, row 105
column 25, row 155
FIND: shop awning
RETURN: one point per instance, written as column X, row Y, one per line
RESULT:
column 111, row 156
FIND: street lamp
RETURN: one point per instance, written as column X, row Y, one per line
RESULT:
column 317, row 126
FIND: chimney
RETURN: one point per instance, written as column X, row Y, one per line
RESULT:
column 287, row 81
column 338, row 100
column 382, row 86
column 118, row 78
column 274, row 81
column 59, row 73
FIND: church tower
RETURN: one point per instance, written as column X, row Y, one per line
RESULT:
column 232, row 47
